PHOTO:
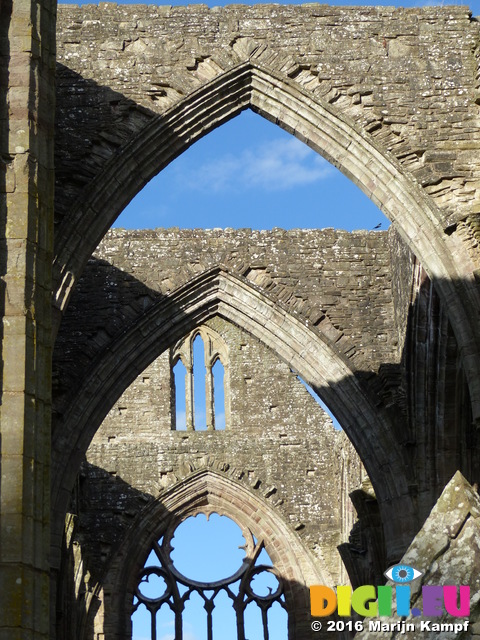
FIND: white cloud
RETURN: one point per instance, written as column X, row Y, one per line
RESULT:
column 273, row 166
column 168, row 635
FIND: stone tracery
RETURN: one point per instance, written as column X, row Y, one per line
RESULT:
column 215, row 350
column 178, row 588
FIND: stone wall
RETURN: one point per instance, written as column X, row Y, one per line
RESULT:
column 27, row 105
column 339, row 283
column 275, row 426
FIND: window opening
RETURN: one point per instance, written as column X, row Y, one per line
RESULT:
column 201, row 383
column 196, row 617
column 336, row 425
column 179, row 381
column 205, row 388
column 224, row 586
column 219, row 536
column 224, row 618
column 219, row 395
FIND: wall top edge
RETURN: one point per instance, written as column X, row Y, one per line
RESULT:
column 310, row 7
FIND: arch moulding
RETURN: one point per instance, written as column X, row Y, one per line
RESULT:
column 207, row 491
column 313, row 357
column 328, row 132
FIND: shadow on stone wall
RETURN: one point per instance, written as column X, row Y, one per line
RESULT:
column 92, row 123
column 425, row 404
column 427, row 412
column 106, row 301
column 5, row 158
column 102, row 509
column 364, row 555
column 100, row 513
column 105, row 522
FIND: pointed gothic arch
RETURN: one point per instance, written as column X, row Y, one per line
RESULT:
column 329, row 133
column 208, row 491
column 314, row 357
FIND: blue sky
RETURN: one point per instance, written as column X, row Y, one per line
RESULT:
column 250, row 173
column 216, row 554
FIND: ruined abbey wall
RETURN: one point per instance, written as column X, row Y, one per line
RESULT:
column 278, row 442
column 386, row 330
column 275, row 425
column 408, row 77
column 339, row 283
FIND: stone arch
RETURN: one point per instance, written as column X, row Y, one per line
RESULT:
column 329, row 133
column 208, row 491
column 312, row 356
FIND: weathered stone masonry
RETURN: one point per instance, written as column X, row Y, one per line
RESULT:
column 275, row 425
column 27, row 88
column 357, row 85
column 390, row 96
column 361, row 284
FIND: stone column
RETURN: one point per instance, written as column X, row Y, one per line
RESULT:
column 209, row 397
column 189, row 399
column 27, row 65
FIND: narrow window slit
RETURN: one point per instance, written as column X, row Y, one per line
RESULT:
column 179, row 395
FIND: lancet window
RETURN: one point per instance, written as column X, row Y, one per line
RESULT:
column 200, row 382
